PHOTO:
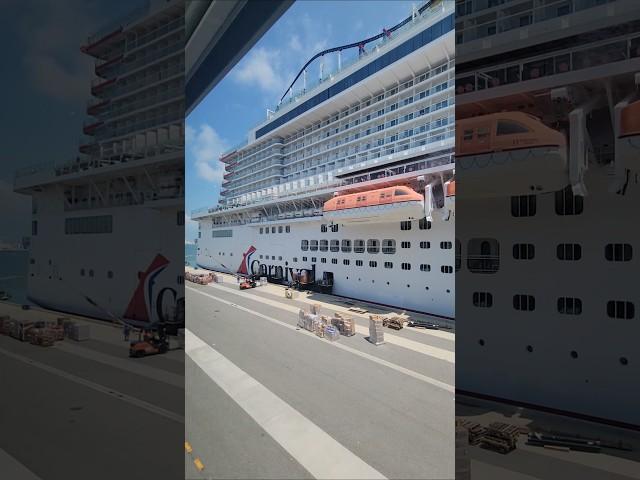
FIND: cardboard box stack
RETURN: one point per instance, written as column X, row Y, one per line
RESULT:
column 315, row 309
column 376, row 333
column 345, row 325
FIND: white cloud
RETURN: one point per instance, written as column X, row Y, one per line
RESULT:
column 294, row 43
column 262, row 69
column 51, row 59
column 206, row 146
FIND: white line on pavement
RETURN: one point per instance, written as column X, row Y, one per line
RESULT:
column 298, row 435
column 13, row 469
column 439, row 353
column 129, row 365
column 96, row 386
column 398, row 368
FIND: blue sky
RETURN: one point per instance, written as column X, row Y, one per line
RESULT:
column 46, row 83
column 240, row 101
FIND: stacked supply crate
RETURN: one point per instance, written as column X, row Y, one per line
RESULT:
column 376, row 333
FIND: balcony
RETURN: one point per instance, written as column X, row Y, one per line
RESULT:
column 98, row 84
column 90, row 127
column 95, row 104
column 103, row 67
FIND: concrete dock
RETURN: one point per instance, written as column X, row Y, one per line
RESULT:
column 81, row 410
column 265, row 399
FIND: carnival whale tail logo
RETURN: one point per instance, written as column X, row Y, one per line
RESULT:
column 246, row 259
column 140, row 305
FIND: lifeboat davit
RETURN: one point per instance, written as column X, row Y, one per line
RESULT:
column 508, row 154
column 380, row 205
column 628, row 141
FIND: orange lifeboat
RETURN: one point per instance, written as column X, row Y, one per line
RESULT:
column 510, row 153
column 628, row 142
column 380, row 205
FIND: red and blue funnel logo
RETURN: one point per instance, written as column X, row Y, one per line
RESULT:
column 246, row 261
column 141, row 302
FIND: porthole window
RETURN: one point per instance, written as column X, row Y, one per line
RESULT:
column 346, row 261
column 323, row 228
column 313, row 259
column 334, row 261
column 523, row 251
column 482, row 299
column 388, row 246
column 273, row 229
column 358, row 246
column 295, row 259
column 405, row 244
column 304, row 259
column 313, row 245
column 524, row 302
column 373, row 245
column 346, row 246
column 405, row 225
column 373, row 264
column 388, row 264
column 405, row 266
column 280, row 229
column 425, row 267
column 618, row 252
column 287, row 229
column 323, row 260
column 569, row 306
column 446, row 269
column 620, row 309
column 358, row 263
column 324, row 245
column 446, row 245
column 424, row 224
column 569, row 251
column 424, row 244
column 334, row 245
column 304, row 245
column 567, row 203
column 523, row 206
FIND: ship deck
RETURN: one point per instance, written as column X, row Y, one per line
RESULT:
column 385, row 410
column 89, row 388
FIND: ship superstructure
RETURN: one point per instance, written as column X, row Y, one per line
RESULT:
column 547, row 159
column 93, row 247
column 348, row 183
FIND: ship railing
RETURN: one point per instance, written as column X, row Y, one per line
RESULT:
column 504, row 22
column 127, row 199
column 563, row 61
column 375, row 47
column 177, row 94
column 146, row 59
column 147, row 81
column 120, row 21
column 150, row 36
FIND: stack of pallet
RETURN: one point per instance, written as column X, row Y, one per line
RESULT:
column 4, row 324
column 476, row 431
column 376, row 333
column 345, row 325
column 331, row 333
column 315, row 309
column 501, row 437
column 44, row 337
column 463, row 462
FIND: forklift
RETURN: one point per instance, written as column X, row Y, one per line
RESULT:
column 247, row 283
column 149, row 343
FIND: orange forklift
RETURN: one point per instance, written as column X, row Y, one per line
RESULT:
column 149, row 343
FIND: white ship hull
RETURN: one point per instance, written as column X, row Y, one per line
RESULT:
column 431, row 292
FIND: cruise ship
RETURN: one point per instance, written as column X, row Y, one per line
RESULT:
column 548, row 159
column 107, row 226
column 348, row 185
